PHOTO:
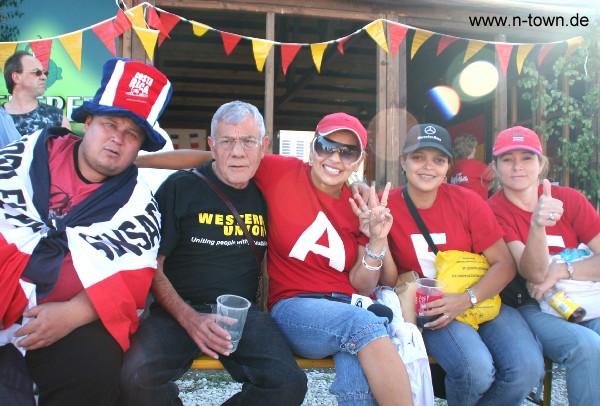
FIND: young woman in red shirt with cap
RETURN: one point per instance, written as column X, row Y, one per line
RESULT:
column 541, row 220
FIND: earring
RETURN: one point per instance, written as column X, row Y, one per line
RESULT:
column 310, row 162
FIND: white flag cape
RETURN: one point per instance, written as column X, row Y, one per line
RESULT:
column 113, row 237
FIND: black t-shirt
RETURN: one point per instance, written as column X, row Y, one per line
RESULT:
column 207, row 252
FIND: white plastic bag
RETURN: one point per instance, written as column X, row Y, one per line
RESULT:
column 409, row 342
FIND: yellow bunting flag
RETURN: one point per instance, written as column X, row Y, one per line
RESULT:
column 317, row 51
column 522, row 53
column 6, row 50
column 376, row 31
column 136, row 15
column 572, row 45
column 261, row 49
column 199, row 28
column 418, row 40
column 148, row 38
column 473, row 47
column 73, row 45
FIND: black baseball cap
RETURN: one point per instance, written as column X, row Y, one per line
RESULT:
column 428, row 136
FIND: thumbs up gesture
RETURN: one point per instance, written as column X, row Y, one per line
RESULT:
column 548, row 210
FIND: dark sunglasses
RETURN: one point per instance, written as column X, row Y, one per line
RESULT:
column 325, row 148
column 38, row 72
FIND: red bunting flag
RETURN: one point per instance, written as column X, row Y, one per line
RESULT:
column 106, row 33
column 544, row 51
column 121, row 23
column 341, row 43
column 169, row 21
column 288, row 53
column 41, row 49
column 154, row 20
column 444, row 42
column 397, row 35
column 503, row 51
column 230, row 41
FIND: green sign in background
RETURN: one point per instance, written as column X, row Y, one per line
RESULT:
column 67, row 86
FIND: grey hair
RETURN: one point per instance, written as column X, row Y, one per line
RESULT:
column 234, row 113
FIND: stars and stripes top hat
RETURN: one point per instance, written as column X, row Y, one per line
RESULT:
column 130, row 89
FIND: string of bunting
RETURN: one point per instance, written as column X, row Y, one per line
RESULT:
column 153, row 28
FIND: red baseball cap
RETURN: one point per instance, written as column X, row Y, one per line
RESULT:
column 517, row 138
column 342, row 121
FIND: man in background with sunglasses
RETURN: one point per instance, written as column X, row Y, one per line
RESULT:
column 26, row 81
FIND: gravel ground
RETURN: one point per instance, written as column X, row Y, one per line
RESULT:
column 208, row 388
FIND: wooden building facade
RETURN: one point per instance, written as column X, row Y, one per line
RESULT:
column 388, row 93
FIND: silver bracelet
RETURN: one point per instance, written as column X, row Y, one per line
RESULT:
column 371, row 254
column 371, row 268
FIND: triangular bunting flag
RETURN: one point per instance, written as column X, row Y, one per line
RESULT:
column 136, row 15
column 41, row 49
column 397, row 35
column 288, row 53
column 572, row 45
column 544, row 51
column 199, row 28
column 169, row 21
column 148, row 38
column 341, row 43
column 154, row 20
column 376, row 31
column 230, row 41
column 522, row 53
column 473, row 47
column 261, row 50
column 73, row 45
column 121, row 23
column 317, row 51
column 106, row 33
column 445, row 40
column 418, row 40
column 503, row 51
column 6, row 50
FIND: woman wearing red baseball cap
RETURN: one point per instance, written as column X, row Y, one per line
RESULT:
column 540, row 220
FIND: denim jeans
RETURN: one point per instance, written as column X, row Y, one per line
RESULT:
column 318, row 328
column 498, row 364
column 162, row 351
column 575, row 346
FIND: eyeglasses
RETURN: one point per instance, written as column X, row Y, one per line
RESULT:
column 227, row 143
column 325, row 148
column 38, row 72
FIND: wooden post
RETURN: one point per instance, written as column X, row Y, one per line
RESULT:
column 270, row 80
column 390, row 120
column 500, row 111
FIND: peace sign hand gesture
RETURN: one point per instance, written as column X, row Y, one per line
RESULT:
column 375, row 218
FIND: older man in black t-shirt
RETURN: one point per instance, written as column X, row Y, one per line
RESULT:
column 204, row 254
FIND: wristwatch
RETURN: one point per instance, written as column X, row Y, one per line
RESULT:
column 472, row 297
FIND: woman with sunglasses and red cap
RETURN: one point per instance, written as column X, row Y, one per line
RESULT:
column 499, row 362
column 541, row 220
column 318, row 258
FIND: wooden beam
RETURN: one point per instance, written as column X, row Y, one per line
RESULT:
column 270, row 80
column 500, row 112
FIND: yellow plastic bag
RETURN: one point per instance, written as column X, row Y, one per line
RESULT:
column 461, row 270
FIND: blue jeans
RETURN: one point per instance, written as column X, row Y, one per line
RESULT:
column 575, row 346
column 318, row 328
column 162, row 351
column 498, row 364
